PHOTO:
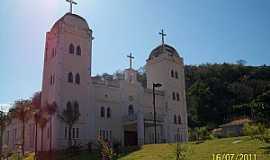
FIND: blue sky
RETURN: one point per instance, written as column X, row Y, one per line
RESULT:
column 201, row 30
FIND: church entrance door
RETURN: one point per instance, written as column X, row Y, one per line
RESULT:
column 130, row 138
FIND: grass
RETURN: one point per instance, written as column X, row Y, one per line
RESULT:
column 202, row 151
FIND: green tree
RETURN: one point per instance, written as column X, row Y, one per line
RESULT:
column 70, row 115
column 51, row 110
column 3, row 123
column 22, row 111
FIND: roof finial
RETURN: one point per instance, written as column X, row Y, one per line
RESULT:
column 163, row 34
column 71, row 2
column 130, row 60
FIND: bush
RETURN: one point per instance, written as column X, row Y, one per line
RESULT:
column 254, row 130
column 181, row 152
column 106, row 150
column 266, row 136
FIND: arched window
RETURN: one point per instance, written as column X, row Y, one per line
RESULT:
column 175, row 119
column 176, row 75
column 71, row 48
column 69, row 106
column 108, row 112
column 77, row 78
column 177, row 97
column 78, row 50
column 130, row 110
column 179, row 119
column 102, row 112
column 70, row 77
column 173, row 95
column 76, row 106
column 172, row 73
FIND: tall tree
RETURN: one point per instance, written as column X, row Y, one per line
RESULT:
column 22, row 110
column 42, row 122
column 36, row 111
column 70, row 116
column 3, row 124
column 51, row 110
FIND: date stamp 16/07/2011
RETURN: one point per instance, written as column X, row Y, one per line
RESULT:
column 234, row 156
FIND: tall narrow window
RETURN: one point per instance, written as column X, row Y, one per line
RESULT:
column 73, row 133
column 77, row 78
column 102, row 112
column 71, row 48
column 130, row 110
column 176, row 75
column 78, row 50
column 172, row 73
column 66, row 132
column 76, row 106
column 69, row 106
column 173, row 95
column 177, row 97
column 175, row 119
column 77, row 132
column 179, row 119
column 70, row 77
column 108, row 112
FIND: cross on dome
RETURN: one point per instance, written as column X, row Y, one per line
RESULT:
column 130, row 60
column 71, row 2
column 163, row 34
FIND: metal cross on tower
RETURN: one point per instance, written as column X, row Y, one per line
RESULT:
column 130, row 60
column 162, row 36
column 71, row 2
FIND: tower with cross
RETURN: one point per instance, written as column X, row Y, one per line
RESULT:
column 163, row 34
column 130, row 56
column 71, row 2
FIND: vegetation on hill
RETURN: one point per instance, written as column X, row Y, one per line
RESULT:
column 217, row 93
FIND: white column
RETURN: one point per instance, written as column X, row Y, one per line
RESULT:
column 140, row 128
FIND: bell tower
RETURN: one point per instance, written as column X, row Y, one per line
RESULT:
column 66, row 74
column 166, row 67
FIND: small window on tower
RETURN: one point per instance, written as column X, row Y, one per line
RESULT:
column 108, row 112
column 173, row 95
column 77, row 78
column 175, row 119
column 78, row 50
column 176, row 75
column 179, row 120
column 177, row 97
column 71, row 48
column 172, row 73
column 70, row 77
column 102, row 112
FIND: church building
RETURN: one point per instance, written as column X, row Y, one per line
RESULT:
column 118, row 109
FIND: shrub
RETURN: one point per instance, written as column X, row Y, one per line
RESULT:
column 266, row 136
column 254, row 130
column 181, row 152
column 106, row 150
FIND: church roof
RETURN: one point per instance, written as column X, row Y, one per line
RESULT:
column 74, row 19
column 167, row 50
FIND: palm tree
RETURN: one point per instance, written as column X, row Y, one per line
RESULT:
column 3, row 124
column 42, row 121
column 70, row 116
column 51, row 109
column 36, row 110
column 22, row 110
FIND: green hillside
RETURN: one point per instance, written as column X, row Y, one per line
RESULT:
column 202, row 151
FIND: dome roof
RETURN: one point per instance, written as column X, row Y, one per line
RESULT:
column 167, row 50
column 74, row 20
